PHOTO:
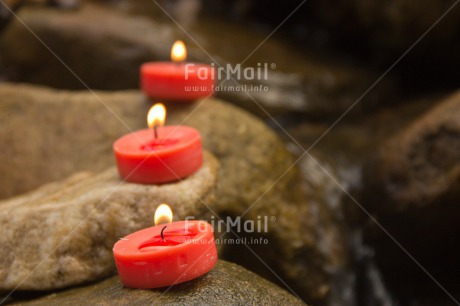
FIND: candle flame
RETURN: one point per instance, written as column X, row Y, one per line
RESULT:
column 178, row 51
column 163, row 214
column 156, row 115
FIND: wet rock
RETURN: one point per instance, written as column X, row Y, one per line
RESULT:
column 257, row 176
column 226, row 284
column 413, row 185
column 289, row 81
column 63, row 233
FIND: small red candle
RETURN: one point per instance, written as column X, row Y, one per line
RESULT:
column 165, row 255
column 159, row 154
column 177, row 81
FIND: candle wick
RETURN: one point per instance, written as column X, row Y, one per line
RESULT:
column 162, row 235
column 155, row 131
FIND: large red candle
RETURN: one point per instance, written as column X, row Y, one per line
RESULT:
column 159, row 154
column 177, row 81
column 165, row 255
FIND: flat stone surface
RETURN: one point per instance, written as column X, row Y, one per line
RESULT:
column 226, row 284
column 63, row 233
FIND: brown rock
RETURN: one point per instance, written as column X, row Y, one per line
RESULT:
column 112, row 64
column 306, row 244
column 45, row 132
column 420, row 166
column 413, row 185
column 62, row 234
column 226, row 284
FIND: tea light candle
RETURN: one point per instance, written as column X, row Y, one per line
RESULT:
column 177, row 81
column 159, row 154
column 165, row 255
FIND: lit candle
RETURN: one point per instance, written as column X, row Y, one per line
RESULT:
column 177, row 80
column 165, row 255
column 159, row 154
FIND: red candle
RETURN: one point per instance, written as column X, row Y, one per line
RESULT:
column 159, row 154
column 165, row 255
column 177, row 81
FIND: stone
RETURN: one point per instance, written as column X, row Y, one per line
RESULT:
column 296, row 82
column 45, row 132
column 226, row 284
column 89, row 62
column 412, row 184
column 257, row 177
column 420, row 166
column 62, row 234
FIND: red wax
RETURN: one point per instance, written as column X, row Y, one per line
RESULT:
column 175, row 154
column 145, row 260
column 177, row 81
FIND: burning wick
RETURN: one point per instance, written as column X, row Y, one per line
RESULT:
column 163, row 213
column 162, row 235
column 156, row 118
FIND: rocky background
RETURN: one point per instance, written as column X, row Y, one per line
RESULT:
column 366, row 213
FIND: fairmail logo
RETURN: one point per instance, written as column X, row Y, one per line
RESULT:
column 238, row 224
column 229, row 72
